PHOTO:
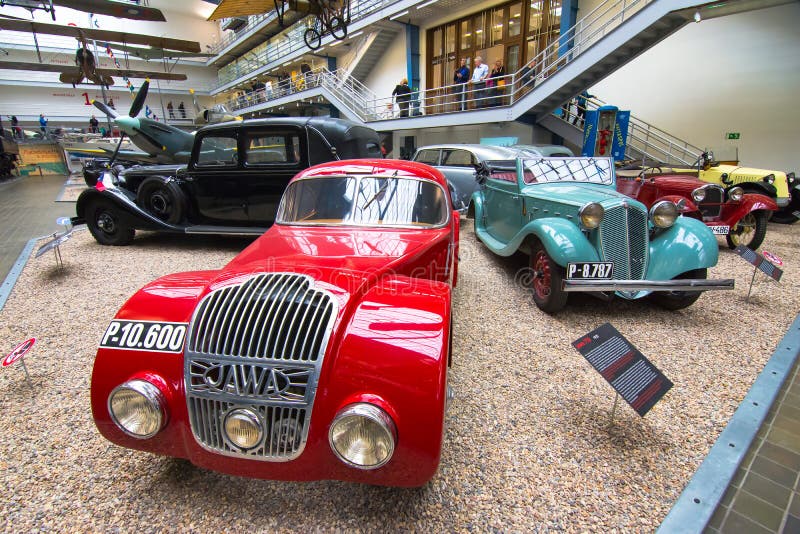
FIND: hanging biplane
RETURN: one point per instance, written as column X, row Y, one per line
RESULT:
column 98, row 7
column 85, row 62
column 330, row 16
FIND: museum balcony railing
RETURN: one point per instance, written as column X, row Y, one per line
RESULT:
column 499, row 92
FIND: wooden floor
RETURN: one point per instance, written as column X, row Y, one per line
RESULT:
column 28, row 209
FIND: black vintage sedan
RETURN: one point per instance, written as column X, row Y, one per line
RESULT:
column 231, row 185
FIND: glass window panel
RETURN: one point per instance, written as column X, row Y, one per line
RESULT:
column 450, row 38
column 466, row 35
column 437, row 76
column 273, row 149
column 497, row 25
column 555, row 14
column 479, row 27
column 512, row 63
column 535, row 17
column 533, row 49
column 515, row 20
column 449, row 70
column 437, row 42
column 216, row 150
column 431, row 157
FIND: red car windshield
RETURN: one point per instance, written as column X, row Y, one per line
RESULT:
column 364, row 201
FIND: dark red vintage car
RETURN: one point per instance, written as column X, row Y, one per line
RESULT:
column 741, row 217
column 320, row 352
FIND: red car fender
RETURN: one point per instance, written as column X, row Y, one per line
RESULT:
column 394, row 353
column 732, row 212
column 456, row 241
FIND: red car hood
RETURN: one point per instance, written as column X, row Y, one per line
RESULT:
column 344, row 257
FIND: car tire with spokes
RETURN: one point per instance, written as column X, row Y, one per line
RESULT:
column 749, row 230
column 546, row 281
column 105, row 224
column 677, row 300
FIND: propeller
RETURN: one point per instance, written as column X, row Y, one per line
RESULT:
column 138, row 102
column 136, row 107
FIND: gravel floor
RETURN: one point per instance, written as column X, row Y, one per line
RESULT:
column 527, row 445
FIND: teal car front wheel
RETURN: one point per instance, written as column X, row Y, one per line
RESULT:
column 677, row 300
column 546, row 284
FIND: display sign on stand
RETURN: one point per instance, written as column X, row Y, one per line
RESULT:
column 767, row 264
column 629, row 372
column 18, row 354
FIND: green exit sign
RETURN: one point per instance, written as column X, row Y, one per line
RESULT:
column 732, row 135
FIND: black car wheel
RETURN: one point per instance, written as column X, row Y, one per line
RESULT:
column 163, row 199
column 104, row 222
column 749, row 231
column 546, row 283
column 677, row 300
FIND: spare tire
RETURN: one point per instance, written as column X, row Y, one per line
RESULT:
column 162, row 198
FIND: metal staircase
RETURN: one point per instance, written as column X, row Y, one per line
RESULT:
column 380, row 41
column 645, row 142
column 611, row 35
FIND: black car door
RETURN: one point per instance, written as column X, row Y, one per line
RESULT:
column 215, row 180
column 272, row 156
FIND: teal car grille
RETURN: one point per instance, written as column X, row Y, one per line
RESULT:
column 624, row 241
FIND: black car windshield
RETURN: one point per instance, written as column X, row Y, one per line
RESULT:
column 585, row 170
column 363, row 201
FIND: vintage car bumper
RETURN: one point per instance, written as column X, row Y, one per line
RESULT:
column 573, row 285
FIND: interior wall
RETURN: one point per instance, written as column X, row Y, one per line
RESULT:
column 391, row 68
column 739, row 73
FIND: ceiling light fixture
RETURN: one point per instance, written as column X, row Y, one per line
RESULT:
column 426, row 4
column 398, row 15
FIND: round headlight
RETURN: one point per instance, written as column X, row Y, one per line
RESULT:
column 591, row 215
column 243, row 428
column 770, row 178
column 363, row 436
column 138, row 408
column 699, row 194
column 735, row 194
column 663, row 214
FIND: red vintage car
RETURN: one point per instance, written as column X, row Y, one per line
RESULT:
column 741, row 217
column 320, row 352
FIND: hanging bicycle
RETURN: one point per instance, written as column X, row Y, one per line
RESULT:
column 330, row 18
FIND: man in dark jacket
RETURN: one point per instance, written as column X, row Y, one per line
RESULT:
column 460, row 78
column 402, row 94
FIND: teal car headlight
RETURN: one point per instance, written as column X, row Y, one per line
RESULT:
column 591, row 215
column 735, row 194
column 663, row 214
column 770, row 179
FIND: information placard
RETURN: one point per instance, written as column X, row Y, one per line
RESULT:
column 759, row 262
column 632, row 375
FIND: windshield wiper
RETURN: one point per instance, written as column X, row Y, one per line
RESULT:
column 377, row 196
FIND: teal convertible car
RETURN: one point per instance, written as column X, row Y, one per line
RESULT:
column 582, row 235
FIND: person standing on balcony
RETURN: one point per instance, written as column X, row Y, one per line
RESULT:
column 580, row 104
column 182, row 110
column 402, row 94
column 43, row 125
column 460, row 78
column 94, row 125
column 16, row 131
column 479, row 75
column 496, row 80
column 170, row 110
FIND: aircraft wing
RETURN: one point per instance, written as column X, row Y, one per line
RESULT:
column 241, row 8
column 114, row 9
column 155, row 53
column 74, row 71
column 25, row 26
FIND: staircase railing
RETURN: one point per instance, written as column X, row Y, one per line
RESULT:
column 645, row 141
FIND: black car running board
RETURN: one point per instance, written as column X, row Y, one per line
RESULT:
column 228, row 230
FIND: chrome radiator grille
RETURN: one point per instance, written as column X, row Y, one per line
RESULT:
column 624, row 241
column 711, row 206
column 258, row 345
